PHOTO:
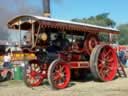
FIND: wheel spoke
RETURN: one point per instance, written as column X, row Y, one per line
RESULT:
column 101, row 71
column 56, row 76
column 59, row 66
column 102, row 55
column 110, row 60
column 100, row 60
column 106, row 73
column 110, row 68
column 62, row 69
column 100, row 65
column 107, row 53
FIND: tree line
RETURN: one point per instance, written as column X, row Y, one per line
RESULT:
column 104, row 20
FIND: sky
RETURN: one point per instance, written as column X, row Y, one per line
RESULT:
column 69, row 9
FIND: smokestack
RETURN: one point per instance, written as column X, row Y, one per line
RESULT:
column 46, row 8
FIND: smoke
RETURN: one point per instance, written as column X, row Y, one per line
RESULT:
column 11, row 8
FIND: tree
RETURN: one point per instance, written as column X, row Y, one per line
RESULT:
column 100, row 19
column 123, row 37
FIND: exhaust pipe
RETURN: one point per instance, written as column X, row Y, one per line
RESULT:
column 46, row 8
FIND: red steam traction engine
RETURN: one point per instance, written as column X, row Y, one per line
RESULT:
column 63, row 48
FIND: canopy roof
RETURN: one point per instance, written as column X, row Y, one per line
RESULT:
column 59, row 24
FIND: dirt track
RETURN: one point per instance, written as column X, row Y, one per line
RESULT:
column 117, row 87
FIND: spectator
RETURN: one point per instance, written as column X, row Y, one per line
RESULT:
column 122, row 57
column 126, row 58
column 7, row 60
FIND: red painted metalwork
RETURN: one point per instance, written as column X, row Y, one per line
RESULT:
column 104, row 63
column 34, row 74
column 59, row 74
column 59, row 25
column 74, row 59
column 107, row 63
column 79, row 64
column 90, row 42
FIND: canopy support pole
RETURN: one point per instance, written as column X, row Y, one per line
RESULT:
column 33, row 28
column 20, row 32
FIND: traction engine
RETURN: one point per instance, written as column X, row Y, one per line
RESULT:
column 65, row 50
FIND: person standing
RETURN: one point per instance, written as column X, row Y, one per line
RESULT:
column 7, row 60
column 122, row 57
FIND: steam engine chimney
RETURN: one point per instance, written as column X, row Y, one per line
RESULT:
column 46, row 8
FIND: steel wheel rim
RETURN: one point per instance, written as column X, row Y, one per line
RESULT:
column 33, row 74
column 107, row 64
column 61, row 75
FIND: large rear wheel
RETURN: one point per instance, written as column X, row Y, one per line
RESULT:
column 103, row 63
column 32, row 74
column 59, row 74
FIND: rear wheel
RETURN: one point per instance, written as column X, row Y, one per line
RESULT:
column 103, row 63
column 59, row 74
column 32, row 74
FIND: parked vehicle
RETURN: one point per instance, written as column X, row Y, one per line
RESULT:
column 6, row 74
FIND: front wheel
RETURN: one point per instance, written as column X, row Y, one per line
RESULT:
column 32, row 74
column 59, row 74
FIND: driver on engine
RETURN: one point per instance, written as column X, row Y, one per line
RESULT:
column 59, row 43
